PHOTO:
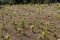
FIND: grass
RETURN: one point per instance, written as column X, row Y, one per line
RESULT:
column 30, row 22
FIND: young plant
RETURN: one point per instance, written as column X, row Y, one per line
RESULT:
column 39, row 37
column 32, row 28
column 58, row 16
column 14, row 21
column 44, row 33
column 1, row 36
column 42, row 36
column 19, row 29
column 13, row 13
column 2, row 16
column 47, row 25
column 22, row 23
column 24, row 34
column 7, row 37
column 4, row 22
column 1, row 28
column 40, row 22
column 55, row 32
column 46, row 28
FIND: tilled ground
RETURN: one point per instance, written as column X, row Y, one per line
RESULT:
column 16, row 21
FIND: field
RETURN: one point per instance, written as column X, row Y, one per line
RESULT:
column 30, row 22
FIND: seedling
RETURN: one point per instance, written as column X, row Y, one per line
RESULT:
column 42, row 36
column 2, row 16
column 13, row 13
column 22, row 23
column 24, row 33
column 55, row 32
column 58, row 15
column 32, row 28
column 1, row 28
column 2, row 35
column 58, row 5
column 7, row 37
column 14, row 21
column 39, row 37
column 44, row 33
column 19, row 30
column 40, row 22
column 47, row 24
column 4, row 22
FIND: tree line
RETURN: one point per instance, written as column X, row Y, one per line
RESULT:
column 28, row 1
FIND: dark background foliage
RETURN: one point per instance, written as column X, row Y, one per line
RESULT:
column 27, row 1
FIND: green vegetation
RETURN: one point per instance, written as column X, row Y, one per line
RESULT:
column 27, row 1
column 7, row 37
column 30, row 22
